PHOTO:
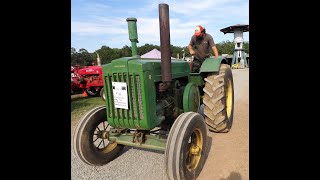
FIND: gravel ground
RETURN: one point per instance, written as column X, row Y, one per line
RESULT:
column 228, row 156
column 133, row 163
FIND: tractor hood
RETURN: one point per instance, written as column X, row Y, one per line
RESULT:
column 90, row 70
column 137, row 65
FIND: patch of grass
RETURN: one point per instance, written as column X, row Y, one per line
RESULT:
column 82, row 105
column 76, row 92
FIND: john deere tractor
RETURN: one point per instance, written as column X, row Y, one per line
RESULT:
column 154, row 104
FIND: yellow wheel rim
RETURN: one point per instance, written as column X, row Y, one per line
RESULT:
column 229, row 98
column 100, row 140
column 108, row 148
column 195, row 148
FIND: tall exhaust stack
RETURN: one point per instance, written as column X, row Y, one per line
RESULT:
column 165, row 46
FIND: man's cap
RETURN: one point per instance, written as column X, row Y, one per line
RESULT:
column 198, row 30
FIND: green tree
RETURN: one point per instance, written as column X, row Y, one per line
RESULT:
column 85, row 57
column 73, row 55
column 227, row 47
column 108, row 54
column 146, row 48
column 82, row 57
column 246, row 47
column 175, row 50
column 125, row 51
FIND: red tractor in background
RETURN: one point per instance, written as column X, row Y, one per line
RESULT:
column 87, row 79
column 75, row 83
column 90, row 80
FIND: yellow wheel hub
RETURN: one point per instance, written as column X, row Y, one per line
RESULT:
column 195, row 149
column 104, row 145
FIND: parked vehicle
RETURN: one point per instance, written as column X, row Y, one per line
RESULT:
column 90, row 80
column 156, row 104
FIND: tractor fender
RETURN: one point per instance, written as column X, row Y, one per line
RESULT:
column 213, row 64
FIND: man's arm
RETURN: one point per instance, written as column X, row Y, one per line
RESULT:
column 215, row 51
column 191, row 43
column 191, row 50
column 213, row 46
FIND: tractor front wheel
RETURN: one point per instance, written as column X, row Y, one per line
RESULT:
column 218, row 100
column 185, row 148
column 102, row 95
column 90, row 139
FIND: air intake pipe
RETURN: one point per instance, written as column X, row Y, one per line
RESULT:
column 133, row 35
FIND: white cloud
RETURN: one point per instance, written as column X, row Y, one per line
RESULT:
column 149, row 31
column 196, row 7
column 184, row 16
column 87, row 28
column 92, row 7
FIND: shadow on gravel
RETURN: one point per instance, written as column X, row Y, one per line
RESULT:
column 233, row 176
column 127, row 148
column 207, row 151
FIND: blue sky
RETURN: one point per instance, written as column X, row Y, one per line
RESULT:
column 95, row 23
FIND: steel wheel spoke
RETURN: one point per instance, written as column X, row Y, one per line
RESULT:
column 104, row 145
column 100, row 143
column 98, row 128
column 104, row 127
column 95, row 140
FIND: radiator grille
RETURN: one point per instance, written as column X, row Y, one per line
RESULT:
column 135, row 111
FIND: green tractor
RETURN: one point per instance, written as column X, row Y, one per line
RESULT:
column 155, row 104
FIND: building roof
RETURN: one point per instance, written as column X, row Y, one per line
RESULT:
column 154, row 54
column 230, row 29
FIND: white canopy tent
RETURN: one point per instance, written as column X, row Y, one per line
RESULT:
column 154, row 54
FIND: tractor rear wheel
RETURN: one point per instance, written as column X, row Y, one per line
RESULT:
column 185, row 148
column 90, row 142
column 218, row 100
